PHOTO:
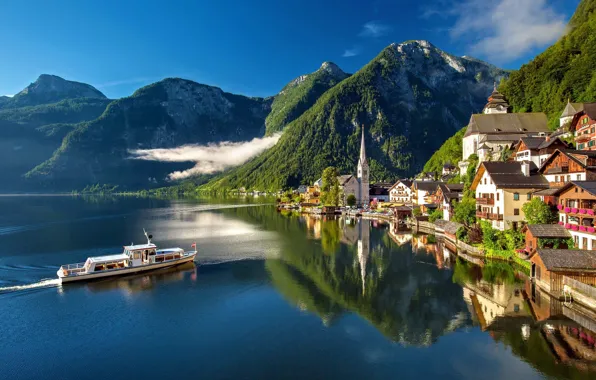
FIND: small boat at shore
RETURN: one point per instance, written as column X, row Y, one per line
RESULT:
column 134, row 259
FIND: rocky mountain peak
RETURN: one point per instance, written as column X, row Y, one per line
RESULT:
column 332, row 69
column 59, row 87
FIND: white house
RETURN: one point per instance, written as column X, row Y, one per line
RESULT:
column 422, row 190
column 401, row 192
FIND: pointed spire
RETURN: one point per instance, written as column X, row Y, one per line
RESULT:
column 495, row 86
column 362, row 147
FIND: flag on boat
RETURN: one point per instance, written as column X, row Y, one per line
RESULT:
column 194, row 245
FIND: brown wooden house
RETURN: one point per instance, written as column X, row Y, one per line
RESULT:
column 537, row 148
column 549, row 266
column 556, row 235
column 564, row 166
column 577, row 212
column 583, row 126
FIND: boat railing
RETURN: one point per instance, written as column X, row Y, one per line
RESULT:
column 73, row 268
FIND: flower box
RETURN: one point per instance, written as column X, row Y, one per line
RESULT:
column 568, row 226
column 582, row 210
column 582, row 228
column 561, row 223
column 567, row 209
column 591, row 230
column 575, row 227
column 574, row 210
column 590, row 212
column 559, row 207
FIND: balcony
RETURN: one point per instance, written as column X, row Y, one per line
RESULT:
column 495, row 216
column 558, row 170
column 579, row 227
column 482, row 215
column 485, row 201
column 576, row 210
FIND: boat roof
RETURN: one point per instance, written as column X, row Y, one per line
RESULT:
column 100, row 259
column 139, row 246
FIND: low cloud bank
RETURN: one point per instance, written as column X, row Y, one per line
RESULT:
column 208, row 158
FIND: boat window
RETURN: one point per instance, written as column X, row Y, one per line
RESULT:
column 152, row 252
column 137, row 256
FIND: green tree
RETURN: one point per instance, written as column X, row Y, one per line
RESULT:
column 416, row 211
column 464, row 212
column 330, row 188
column 351, row 200
column 435, row 215
column 538, row 212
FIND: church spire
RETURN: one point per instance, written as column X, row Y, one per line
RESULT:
column 362, row 148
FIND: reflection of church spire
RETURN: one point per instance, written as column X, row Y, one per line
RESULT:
column 363, row 251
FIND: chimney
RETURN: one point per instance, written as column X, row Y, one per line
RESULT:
column 525, row 168
column 547, row 137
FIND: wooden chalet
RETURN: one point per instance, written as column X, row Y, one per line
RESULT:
column 549, row 266
column 577, row 212
column 552, row 232
column 537, row 148
column 564, row 166
column 583, row 126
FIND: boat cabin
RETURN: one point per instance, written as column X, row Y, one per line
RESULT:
column 140, row 254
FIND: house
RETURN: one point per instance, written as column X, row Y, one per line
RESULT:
column 548, row 196
column 488, row 135
column 571, row 109
column 302, row 189
column 537, row 149
column 549, row 266
column 448, row 169
column 348, row 185
column 401, row 192
column 556, row 235
column 583, row 126
column 577, row 209
column 502, row 188
column 312, row 195
column 446, row 195
column 422, row 191
column 379, row 193
column 564, row 166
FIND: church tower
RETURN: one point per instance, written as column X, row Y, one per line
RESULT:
column 363, row 173
column 496, row 103
column 363, row 250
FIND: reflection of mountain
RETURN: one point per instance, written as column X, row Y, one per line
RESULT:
column 409, row 301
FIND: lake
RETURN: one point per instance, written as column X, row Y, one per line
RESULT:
column 272, row 295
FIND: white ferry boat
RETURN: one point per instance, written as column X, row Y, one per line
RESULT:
column 134, row 259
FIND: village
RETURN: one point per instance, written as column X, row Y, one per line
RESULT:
column 520, row 193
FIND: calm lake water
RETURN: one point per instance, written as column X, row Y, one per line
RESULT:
column 272, row 296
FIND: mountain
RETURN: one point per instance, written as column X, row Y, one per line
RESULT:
column 31, row 130
column 165, row 114
column 450, row 152
column 410, row 99
column 51, row 89
column 301, row 94
column 566, row 70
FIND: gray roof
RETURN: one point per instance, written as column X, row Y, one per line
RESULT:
column 447, row 226
column 509, row 175
column 508, row 123
column 504, row 137
column 426, row 185
column 547, row 192
column 548, row 231
column 342, row 179
column 562, row 259
column 589, row 186
column 572, row 108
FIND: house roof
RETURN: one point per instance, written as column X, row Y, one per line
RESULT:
column 572, row 108
column 548, row 230
column 455, row 186
column 504, row 137
column 507, row 123
column 375, row 190
column 406, row 182
column 538, row 142
column 589, row 186
column 547, row 192
column 426, row 185
column 343, row 179
column 448, row 226
column 562, row 259
column 579, row 156
column 509, row 175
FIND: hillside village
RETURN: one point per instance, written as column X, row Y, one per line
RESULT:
column 520, row 192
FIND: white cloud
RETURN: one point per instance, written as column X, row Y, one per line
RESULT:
column 208, row 158
column 504, row 30
column 10, row 96
column 128, row 81
column 351, row 52
column 374, row 29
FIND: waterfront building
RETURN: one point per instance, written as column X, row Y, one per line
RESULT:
column 502, row 188
column 379, row 193
column 537, row 149
column 348, row 185
column 446, row 195
column 551, row 266
column 422, row 191
column 577, row 209
column 564, row 166
column 553, row 232
column 401, row 192
column 583, row 126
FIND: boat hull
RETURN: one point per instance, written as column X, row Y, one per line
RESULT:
column 125, row 271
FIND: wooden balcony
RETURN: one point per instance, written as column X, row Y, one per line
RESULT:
column 481, row 215
column 485, row 201
column 495, row 216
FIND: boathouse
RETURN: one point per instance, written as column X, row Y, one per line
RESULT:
column 550, row 235
column 550, row 266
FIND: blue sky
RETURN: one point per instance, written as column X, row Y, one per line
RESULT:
column 254, row 47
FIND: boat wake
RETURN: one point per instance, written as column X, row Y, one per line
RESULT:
column 45, row 283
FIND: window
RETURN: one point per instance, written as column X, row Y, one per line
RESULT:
column 556, row 178
column 584, row 243
column 529, row 196
column 516, row 196
column 578, row 177
column 515, row 211
column 592, row 142
column 576, row 189
column 580, row 146
column 485, row 181
column 497, row 196
column 538, row 272
column 568, row 178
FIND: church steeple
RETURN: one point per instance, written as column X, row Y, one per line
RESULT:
column 363, row 174
column 362, row 149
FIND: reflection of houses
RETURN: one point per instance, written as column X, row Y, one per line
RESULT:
column 502, row 188
column 313, row 224
column 494, row 300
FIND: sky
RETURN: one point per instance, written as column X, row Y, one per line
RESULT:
column 254, row 47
